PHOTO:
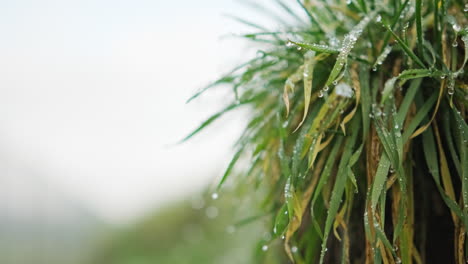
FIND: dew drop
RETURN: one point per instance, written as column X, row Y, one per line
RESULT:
column 374, row 68
column 344, row 90
column 455, row 44
column 320, row 95
column 264, row 247
column 442, row 76
column 230, row 229
column 325, row 89
column 378, row 19
column 289, row 44
column 466, row 8
column 214, row 196
column 406, row 26
column 378, row 113
column 294, row 249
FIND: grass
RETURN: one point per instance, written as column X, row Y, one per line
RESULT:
column 358, row 130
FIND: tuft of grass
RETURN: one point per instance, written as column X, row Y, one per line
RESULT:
column 358, row 130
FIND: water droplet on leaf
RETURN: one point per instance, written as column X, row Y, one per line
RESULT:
column 378, row 19
column 230, row 229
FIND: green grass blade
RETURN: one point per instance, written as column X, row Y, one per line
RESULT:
column 415, row 73
column 407, row 101
column 210, row 120
column 309, row 63
column 380, row 179
column 430, row 154
column 281, row 221
column 462, row 127
column 316, row 47
column 340, row 182
column 348, row 43
column 230, row 167
column 324, row 177
column 419, row 31
column 366, row 100
column 421, row 114
column 405, row 47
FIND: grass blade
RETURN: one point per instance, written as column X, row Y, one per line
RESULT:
column 339, row 186
column 419, row 26
column 406, row 48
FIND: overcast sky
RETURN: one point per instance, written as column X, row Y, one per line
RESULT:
column 92, row 96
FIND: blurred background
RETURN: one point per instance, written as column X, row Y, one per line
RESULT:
column 92, row 105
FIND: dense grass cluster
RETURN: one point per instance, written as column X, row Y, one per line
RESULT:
column 358, row 130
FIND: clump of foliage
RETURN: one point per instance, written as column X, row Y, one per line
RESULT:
column 358, row 130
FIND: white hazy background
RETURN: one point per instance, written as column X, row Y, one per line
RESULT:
column 92, row 100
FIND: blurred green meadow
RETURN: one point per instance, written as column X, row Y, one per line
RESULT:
column 196, row 230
